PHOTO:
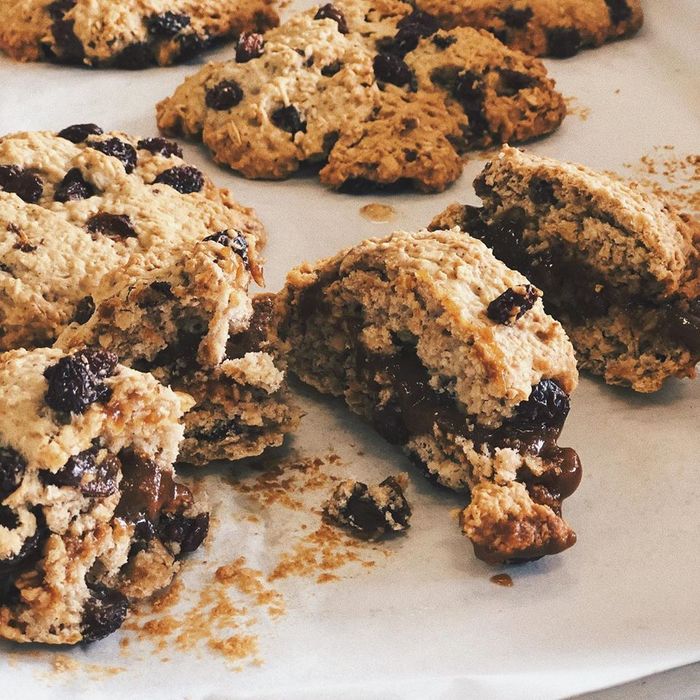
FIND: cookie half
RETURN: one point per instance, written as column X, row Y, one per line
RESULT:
column 620, row 269
column 451, row 355
column 125, row 33
column 92, row 517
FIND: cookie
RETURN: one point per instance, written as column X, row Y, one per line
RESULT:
column 370, row 511
column 82, row 205
column 619, row 268
column 558, row 28
column 451, row 355
column 125, row 33
column 370, row 91
column 92, row 517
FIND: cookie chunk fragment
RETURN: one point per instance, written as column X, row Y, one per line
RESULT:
column 619, row 268
column 129, row 34
column 371, row 511
column 558, row 28
column 88, row 497
column 399, row 327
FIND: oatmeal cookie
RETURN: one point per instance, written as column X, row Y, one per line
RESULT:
column 91, row 515
column 451, row 355
column 620, row 269
column 125, row 33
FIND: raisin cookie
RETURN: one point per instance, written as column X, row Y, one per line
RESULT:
column 80, row 205
column 125, row 33
column 451, row 355
column 558, row 28
column 619, row 268
column 91, row 516
column 371, row 91
column 193, row 326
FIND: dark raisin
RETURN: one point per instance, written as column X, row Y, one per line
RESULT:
column 410, row 30
column 63, row 31
column 250, row 45
column 188, row 533
column 26, row 185
column 392, row 69
column 191, row 45
column 167, row 24
column 288, row 119
column 444, row 41
column 254, row 337
column 77, row 133
column 410, row 154
column 224, row 95
column 563, row 42
column 331, row 69
column 84, row 310
column 516, row 17
column 512, row 304
column 82, row 471
column 422, row 23
column 120, row 150
column 184, row 178
column 160, row 146
column 619, row 11
column 73, row 187
column 76, row 381
column 31, row 547
column 234, row 240
column 329, row 11
column 155, row 294
column 468, row 90
column 104, row 612
column 541, row 191
column 8, row 518
column 12, row 466
column 512, row 81
column 58, row 8
column 115, row 226
column 135, row 56
column 547, row 407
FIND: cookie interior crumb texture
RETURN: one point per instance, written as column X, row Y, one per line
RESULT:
column 400, row 328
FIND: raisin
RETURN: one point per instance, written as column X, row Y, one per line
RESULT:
column 184, row 178
column 76, row 381
column 123, row 152
column 77, row 133
column 224, row 95
column 24, row 184
column 468, row 90
column 392, row 69
column 288, row 119
column 512, row 81
column 619, row 11
column 135, row 56
column 444, row 41
column 115, row 226
column 58, row 8
column 83, row 472
column 188, row 533
column 329, row 11
column 84, row 310
column 191, row 45
column 237, row 242
column 8, row 518
column 422, row 23
column 167, row 24
column 250, row 45
column 12, row 467
column 512, row 304
column 160, row 146
column 104, row 612
column 516, row 17
column 155, row 294
column 31, row 547
column 563, row 42
column 253, row 337
column 73, row 187
column 331, row 69
column 541, row 191
column 547, row 407
column 63, row 32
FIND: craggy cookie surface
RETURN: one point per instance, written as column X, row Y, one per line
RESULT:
column 370, row 89
column 125, row 33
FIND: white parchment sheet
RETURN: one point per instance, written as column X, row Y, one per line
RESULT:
column 424, row 620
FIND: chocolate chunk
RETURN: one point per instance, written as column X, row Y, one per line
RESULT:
column 82, row 471
column 389, row 68
column 12, row 466
column 115, row 226
column 224, row 95
column 104, row 612
column 135, row 56
column 234, row 240
column 329, row 11
column 546, row 407
column 160, row 146
column 563, row 42
column 186, row 179
column 512, row 304
column 619, row 11
column 541, row 191
column 77, row 133
column 512, row 81
column 516, row 17
column 188, row 533
column 331, row 69
column 84, row 310
column 167, row 24
column 250, row 45
column 288, row 119
column 76, row 381
column 444, row 41
column 73, row 187
column 122, row 151
column 25, row 184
